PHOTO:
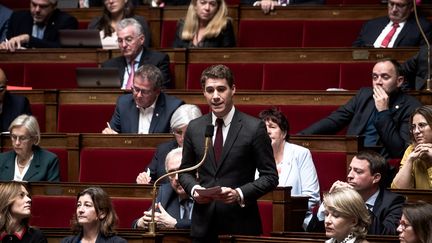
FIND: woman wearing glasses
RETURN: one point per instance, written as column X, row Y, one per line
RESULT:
column 416, row 223
column 27, row 161
column 416, row 165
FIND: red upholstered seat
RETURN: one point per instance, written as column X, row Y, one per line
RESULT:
column 71, row 118
column 300, row 76
column 62, row 155
column 53, row 75
column 38, row 110
column 247, row 76
column 83, row 24
column 168, row 33
column 330, row 167
column 14, row 73
column 113, row 165
column 272, row 33
column 337, row 33
column 16, row 4
column 266, row 213
column 52, row 211
column 356, row 75
column 129, row 209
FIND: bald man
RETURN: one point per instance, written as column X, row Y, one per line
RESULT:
column 11, row 105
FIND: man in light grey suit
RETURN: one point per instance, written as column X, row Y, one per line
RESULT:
column 244, row 147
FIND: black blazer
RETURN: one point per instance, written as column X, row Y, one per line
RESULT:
column 100, row 239
column 387, row 212
column 247, row 148
column 226, row 38
column 13, row 106
column 157, row 165
column 170, row 202
column 391, row 125
column 21, row 22
column 32, row 235
column 416, row 70
column 409, row 36
column 159, row 59
column 44, row 166
column 126, row 115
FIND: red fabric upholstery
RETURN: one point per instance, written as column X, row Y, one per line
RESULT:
column 16, row 4
column 14, row 73
column 339, row 33
column 83, row 24
column 362, row 1
column 113, row 165
column 266, row 213
column 172, row 73
column 301, row 76
column 168, row 33
column 330, row 167
column 247, row 76
column 52, row 211
column 70, row 118
column 53, row 75
column 38, row 110
column 62, row 155
column 274, row 33
column 129, row 209
column 356, row 75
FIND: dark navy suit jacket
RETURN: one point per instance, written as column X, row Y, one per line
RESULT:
column 21, row 22
column 126, row 114
column 13, row 106
column 157, row 165
column 408, row 37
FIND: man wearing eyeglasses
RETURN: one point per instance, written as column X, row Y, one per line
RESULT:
column 147, row 109
column 38, row 27
column 131, row 43
column 11, row 106
column 397, row 29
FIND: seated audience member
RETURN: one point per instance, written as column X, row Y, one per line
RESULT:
column 15, row 211
column 113, row 12
column 133, row 54
column 147, row 109
column 346, row 217
column 27, row 161
column 380, row 113
column 416, row 223
column 398, row 29
column 206, row 25
column 5, row 14
column 99, row 3
column 366, row 175
column 268, row 5
column 416, row 70
column 416, row 166
column 11, row 106
column 179, row 122
column 37, row 27
column 163, row 3
column 94, row 219
column 293, row 162
column 173, row 204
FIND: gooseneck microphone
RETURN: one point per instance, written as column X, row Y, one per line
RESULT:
column 208, row 136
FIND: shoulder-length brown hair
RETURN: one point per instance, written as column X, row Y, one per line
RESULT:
column 104, row 21
column 9, row 191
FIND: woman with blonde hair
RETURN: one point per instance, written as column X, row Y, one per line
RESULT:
column 346, row 216
column 15, row 211
column 206, row 25
column 95, row 218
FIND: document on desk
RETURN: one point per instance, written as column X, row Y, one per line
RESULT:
column 209, row 192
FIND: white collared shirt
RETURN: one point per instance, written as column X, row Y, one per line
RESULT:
column 145, row 117
column 227, row 123
column 128, row 69
column 385, row 31
column 17, row 175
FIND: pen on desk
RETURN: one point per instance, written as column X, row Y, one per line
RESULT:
column 148, row 172
column 109, row 125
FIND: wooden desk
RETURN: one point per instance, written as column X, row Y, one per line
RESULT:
column 321, row 236
column 55, row 55
column 413, row 195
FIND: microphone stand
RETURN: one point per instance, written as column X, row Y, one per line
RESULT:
column 208, row 136
column 428, row 78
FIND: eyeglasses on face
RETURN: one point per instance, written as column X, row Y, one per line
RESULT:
column 403, row 224
column 128, row 40
column 141, row 91
column 420, row 126
column 20, row 138
column 177, row 132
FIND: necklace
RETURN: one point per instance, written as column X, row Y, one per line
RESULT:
column 349, row 237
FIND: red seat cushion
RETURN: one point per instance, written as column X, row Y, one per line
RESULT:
column 70, row 118
column 168, row 33
column 38, row 110
column 331, row 33
column 330, row 167
column 62, row 155
column 266, row 213
column 113, row 165
column 129, row 209
column 16, row 4
column 52, row 211
column 356, row 75
column 14, row 73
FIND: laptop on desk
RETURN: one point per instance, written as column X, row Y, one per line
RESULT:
column 89, row 77
column 80, row 38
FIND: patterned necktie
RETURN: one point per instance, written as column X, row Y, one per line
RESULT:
column 131, row 75
column 389, row 36
column 218, row 143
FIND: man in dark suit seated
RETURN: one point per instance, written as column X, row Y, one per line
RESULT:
column 5, row 14
column 173, row 204
column 416, row 70
column 38, row 27
column 366, row 175
column 131, row 43
column 381, row 113
column 398, row 29
column 11, row 106
column 147, row 109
